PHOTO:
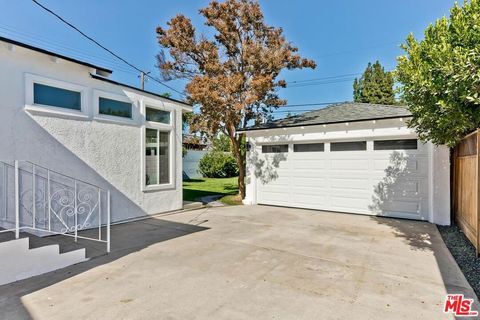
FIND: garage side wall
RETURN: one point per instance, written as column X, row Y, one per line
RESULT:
column 433, row 162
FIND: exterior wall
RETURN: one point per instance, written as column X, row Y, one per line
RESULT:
column 191, row 162
column 439, row 174
column 440, row 185
column 98, row 150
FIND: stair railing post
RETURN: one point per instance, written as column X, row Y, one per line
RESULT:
column 108, row 221
column 17, row 202
column 34, row 197
column 5, row 191
column 75, row 213
column 49, row 204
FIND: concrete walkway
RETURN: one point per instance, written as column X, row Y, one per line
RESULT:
column 251, row 262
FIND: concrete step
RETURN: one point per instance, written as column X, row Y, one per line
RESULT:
column 21, row 262
column 190, row 205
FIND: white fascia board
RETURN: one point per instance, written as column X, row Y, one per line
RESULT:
column 326, row 135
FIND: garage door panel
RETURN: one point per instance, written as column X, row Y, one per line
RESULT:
column 353, row 204
column 309, row 182
column 403, row 187
column 312, row 165
column 277, row 183
column 345, row 183
column 349, row 164
column 401, row 206
column 309, row 174
column 368, row 182
column 410, row 166
column 306, row 199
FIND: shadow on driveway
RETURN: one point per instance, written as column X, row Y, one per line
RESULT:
column 126, row 238
column 425, row 237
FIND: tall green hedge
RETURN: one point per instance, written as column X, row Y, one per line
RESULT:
column 216, row 164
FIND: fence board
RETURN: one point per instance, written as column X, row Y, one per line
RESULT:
column 466, row 191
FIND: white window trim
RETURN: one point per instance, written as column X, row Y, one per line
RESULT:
column 161, row 127
column 30, row 106
column 97, row 94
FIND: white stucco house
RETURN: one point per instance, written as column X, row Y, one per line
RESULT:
column 68, row 116
column 350, row 157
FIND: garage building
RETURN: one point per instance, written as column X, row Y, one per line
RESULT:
column 350, row 157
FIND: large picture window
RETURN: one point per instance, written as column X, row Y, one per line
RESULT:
column 157, row 157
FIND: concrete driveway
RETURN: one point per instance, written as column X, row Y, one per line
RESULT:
column 252, row 262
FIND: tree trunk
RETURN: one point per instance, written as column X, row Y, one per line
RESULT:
column 237, row 152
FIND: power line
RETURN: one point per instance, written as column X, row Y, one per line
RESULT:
column 76, row 53
column 103, row 47
column 301, row 85
column 311, row 104
column 326, row 78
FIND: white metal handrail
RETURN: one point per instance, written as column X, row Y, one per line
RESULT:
column 50, row 202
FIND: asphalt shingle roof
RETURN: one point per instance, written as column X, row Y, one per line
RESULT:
column 337, row 113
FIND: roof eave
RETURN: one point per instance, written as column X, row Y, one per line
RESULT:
column 321, row 123
column 185, row 106
column 98, row 69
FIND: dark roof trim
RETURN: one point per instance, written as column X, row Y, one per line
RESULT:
column 50, row 53
column 138, row 89
column 321, row 123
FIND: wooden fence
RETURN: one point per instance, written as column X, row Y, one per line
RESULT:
column 465, row 187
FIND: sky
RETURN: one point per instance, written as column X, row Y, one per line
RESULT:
column 341, row 36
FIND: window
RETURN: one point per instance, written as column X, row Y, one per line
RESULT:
column 56, row 97
column 157, row 157
column 395, row 144
column 348, row 146
column 114, row 108
column 279, row 148
column 308, row 147
column 156, row 115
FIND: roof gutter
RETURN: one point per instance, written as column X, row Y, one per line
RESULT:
column 100, row 70
column 185, row 106
column 320, row 123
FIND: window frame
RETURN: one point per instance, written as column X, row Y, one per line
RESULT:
column 346, row 142
column 97, row 94
column 308, row 143
column 162, row 108
column 393, row 149
column 171, row 128
column 276, row 144
column 31, row 106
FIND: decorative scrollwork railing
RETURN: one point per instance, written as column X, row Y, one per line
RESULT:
column 45, row 201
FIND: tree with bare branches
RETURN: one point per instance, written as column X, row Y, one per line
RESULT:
column 233, row 76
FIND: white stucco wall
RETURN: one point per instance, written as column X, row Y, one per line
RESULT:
column 104, row 153
column 439, row 157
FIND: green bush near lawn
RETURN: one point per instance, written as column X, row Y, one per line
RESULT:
column 216, row 164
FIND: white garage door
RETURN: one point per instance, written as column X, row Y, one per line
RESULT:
column 379, row 177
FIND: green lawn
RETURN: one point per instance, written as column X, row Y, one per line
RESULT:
column 196, row 188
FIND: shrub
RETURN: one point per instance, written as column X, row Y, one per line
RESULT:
column 217, row 164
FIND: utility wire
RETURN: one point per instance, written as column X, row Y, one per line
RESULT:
column 326, row 78
column 46, row 42
column 105, row 48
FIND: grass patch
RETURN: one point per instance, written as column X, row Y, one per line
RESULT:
column 197, row 188
column 231, row 200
